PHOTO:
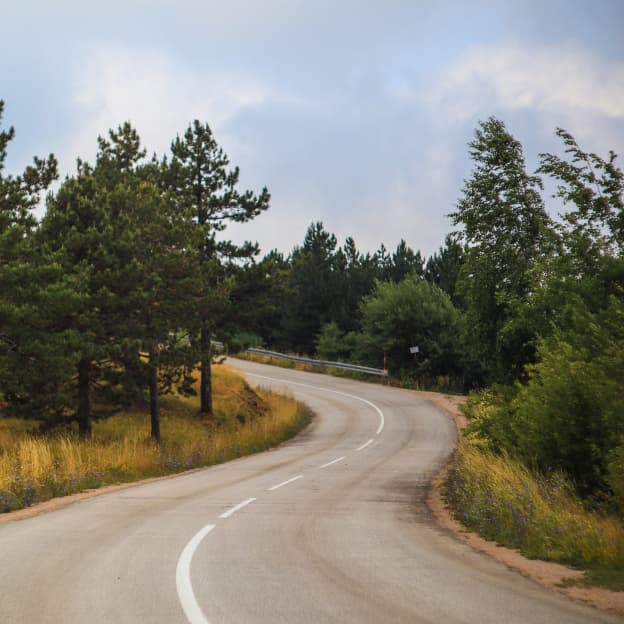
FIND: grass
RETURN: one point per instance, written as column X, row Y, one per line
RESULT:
column 540, row 515
column 34, row 468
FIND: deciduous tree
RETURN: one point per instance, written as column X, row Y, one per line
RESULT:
column 505, row 229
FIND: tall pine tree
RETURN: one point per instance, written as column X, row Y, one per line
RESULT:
column 198, row 178
column 33, row 295
column 90, row 225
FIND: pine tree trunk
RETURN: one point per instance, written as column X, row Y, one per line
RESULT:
column 206, row 374
column 153, row 390
column 84, row 400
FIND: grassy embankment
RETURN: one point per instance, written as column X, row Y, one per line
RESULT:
column 538, row 514
column 34, row 468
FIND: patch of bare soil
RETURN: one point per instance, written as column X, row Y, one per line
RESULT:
column 544, row 572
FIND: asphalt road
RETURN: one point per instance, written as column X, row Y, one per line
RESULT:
column 331, row 527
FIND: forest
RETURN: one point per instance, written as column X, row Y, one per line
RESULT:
column 116, row 293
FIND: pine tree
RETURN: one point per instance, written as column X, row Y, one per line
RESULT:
column 442, row 268
column 405, row 262
column 167, row 248
column 198, row 179
column 33, row 295
column 91, row 226
column 315, row 287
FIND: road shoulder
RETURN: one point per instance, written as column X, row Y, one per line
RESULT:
column 545, row 573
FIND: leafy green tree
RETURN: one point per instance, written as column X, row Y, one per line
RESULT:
column 505, row 230
column 590, row 262
column 594, row 187
column 397, row 316
column 569, row 414
column 334, row 345
column 197, row 178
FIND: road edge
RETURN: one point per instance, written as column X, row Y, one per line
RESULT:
column 545, row 573
column 60, row 502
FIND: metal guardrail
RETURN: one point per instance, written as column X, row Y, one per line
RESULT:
column 295, row 358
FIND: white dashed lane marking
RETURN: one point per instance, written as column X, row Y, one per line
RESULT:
column 233, row 510
column 283, row 483
column 335, row 461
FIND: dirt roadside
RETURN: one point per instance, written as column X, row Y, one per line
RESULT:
column 543, row 572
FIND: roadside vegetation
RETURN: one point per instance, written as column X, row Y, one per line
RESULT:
column 441, row 383
column 538, row 513
column 128, row 279
column 541, row 466
column 35, row 467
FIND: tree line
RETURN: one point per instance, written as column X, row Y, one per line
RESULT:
column 115, row 295
column 528, row 305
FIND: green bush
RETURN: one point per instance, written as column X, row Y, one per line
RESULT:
column 333, row 345
column 397, row 316
column 569, row 415
column 616, row 477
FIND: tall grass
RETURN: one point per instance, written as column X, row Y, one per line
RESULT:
column 35, row 468
column 541, row 515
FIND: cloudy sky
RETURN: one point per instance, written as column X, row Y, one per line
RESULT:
column 353, row 113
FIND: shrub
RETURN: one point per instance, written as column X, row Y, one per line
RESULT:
column 539, row 514
column 616, row 478
column 568, row 416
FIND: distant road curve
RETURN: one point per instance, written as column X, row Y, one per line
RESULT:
column 330, row 527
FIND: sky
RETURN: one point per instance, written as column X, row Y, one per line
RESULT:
column 353, row 113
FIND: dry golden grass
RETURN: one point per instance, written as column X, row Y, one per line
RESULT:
column 540, row 515
column 35, row 468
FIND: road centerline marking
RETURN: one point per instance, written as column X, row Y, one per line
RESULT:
column 186, row 596
column 361, row 448
column 283, row 483
column 233, row 510
column 335, row 461
column 382, row 420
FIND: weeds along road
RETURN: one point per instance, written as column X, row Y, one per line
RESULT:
column 331, row 527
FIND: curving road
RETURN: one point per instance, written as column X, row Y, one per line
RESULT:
column 331, row 527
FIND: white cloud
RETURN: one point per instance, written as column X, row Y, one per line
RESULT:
column 157, row 95
column 562, row 80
